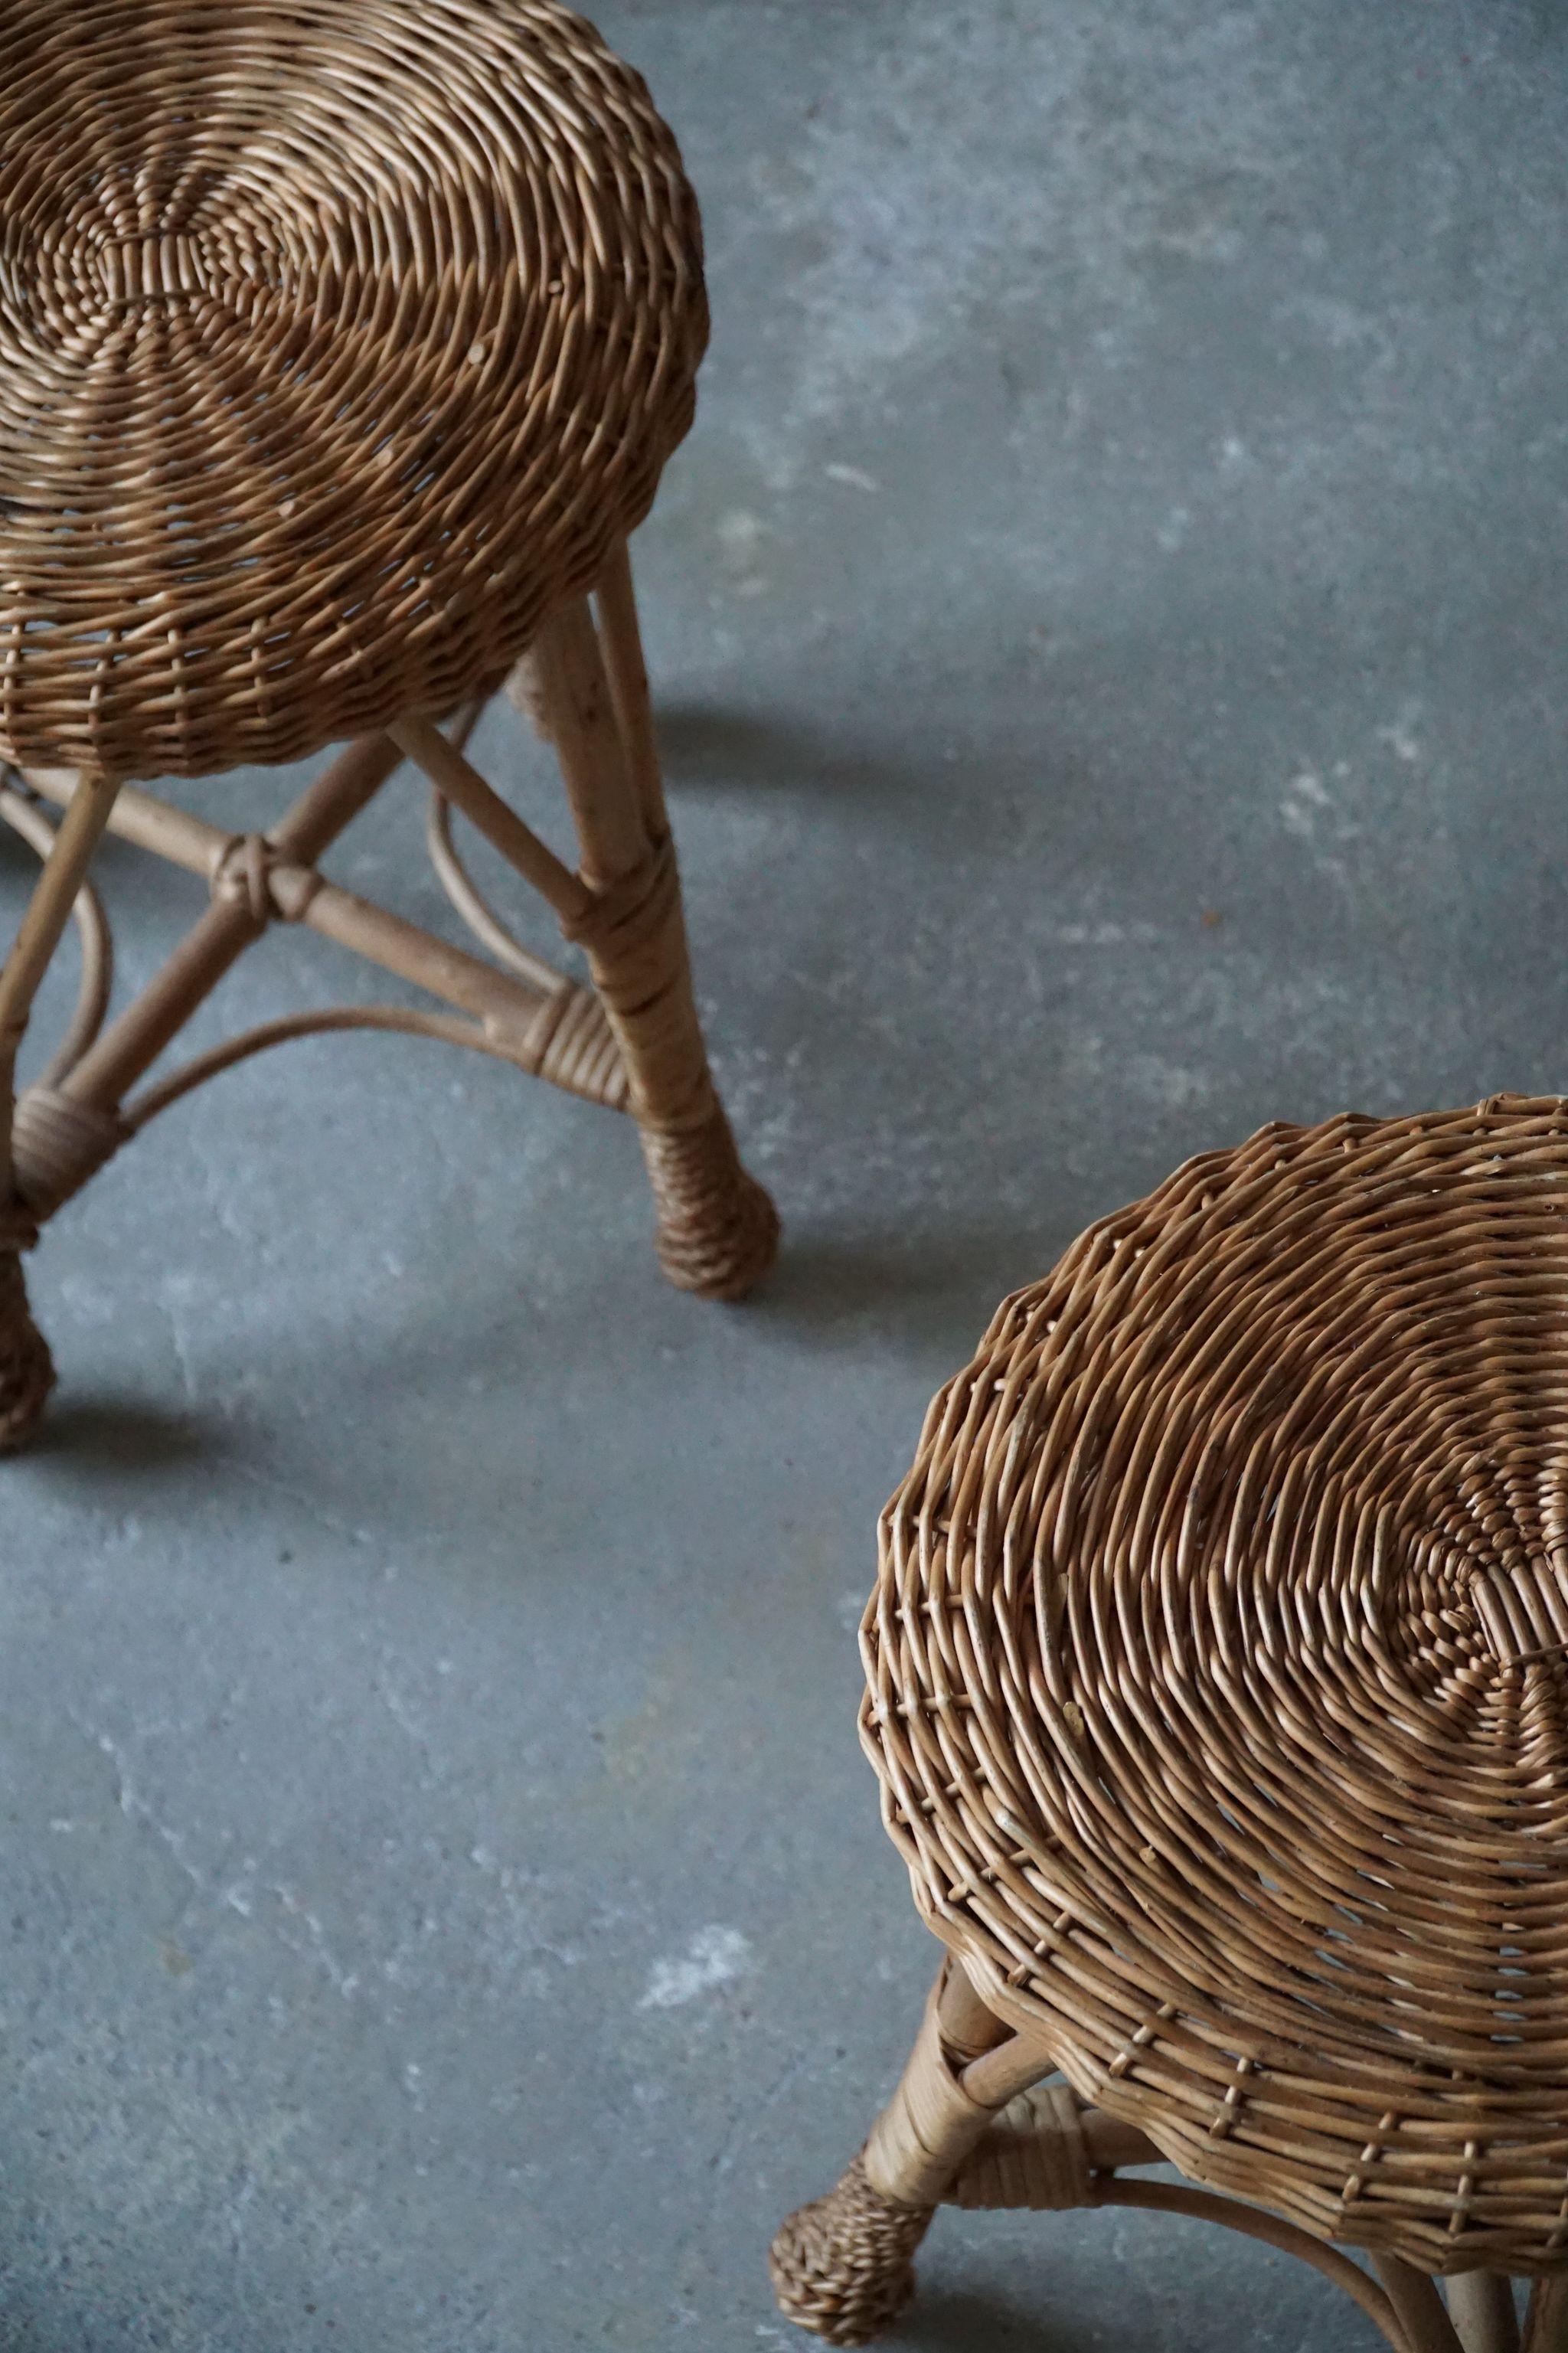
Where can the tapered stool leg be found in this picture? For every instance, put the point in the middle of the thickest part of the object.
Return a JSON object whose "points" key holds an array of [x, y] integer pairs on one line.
{"points": [[27, 1367], [1480, 2304], [1418, 2304], [717, 1230], [1546, 2321], [26, 1370], [844, 2266]]}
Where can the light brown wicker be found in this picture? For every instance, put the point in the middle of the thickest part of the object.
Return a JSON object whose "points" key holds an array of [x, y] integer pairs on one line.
{"points": [[1218, 1691], [342, 345]]}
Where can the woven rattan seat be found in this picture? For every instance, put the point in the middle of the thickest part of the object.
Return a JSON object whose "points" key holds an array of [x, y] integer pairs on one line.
{"points": [[1218, 1691], [337, 345], [341, 344]]}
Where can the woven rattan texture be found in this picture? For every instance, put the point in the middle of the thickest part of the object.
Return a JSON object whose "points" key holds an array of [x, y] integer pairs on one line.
{"points": [[337, 343], [1218, 1674]]}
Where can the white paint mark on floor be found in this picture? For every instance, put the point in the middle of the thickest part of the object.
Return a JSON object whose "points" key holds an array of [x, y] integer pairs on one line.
{"points": [[853, 476], [715, 1957], [1401, 740], [1304, 796], [740, 531], [1103, 935], [1172, 533]]}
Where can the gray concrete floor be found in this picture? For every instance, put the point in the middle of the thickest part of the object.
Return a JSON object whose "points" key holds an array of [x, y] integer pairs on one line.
{"points": [[1108, 624]]}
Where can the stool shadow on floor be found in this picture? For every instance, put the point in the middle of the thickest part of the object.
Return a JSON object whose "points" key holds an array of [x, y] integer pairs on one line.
{"points": [[978, 2320], [710, 747], [703, 743], [109, 1433], [917, 1291]]}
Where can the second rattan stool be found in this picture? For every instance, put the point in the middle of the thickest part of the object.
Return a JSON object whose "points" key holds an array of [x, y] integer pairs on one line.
{"points": [[341, 344], [1218, 1692]]}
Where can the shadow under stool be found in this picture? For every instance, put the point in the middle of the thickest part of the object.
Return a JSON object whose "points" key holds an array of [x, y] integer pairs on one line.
{"points": [[340, 351], [1218, 1689]]}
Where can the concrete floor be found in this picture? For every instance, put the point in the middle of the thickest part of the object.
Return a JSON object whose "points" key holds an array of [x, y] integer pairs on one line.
{"points": [[1108, 626]]}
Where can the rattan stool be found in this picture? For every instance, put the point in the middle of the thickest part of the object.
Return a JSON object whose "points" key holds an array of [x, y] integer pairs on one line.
{"points": [[1218, 1692], [340, 348]]}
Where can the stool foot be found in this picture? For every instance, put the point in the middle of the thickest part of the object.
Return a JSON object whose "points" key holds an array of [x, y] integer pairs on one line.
{"points": [[27, 1367], [844, 2266], [718, 1230]]}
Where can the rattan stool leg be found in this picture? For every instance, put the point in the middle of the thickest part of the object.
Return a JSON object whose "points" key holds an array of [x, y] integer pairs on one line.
{"points": [[1480, 2304], [717, 1230], [1546, 2322], [27, 1367], [844, 2266], [26, 1370], [1418, 2303]]}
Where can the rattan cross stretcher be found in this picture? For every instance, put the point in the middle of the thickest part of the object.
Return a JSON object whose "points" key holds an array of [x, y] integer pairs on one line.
{"points": [[341, 349], [1218, 1681]]}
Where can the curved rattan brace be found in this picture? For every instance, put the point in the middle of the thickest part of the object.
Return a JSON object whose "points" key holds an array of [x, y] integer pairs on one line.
{"points": [[27, 1371], [470, 902], [1205, 2206], [24, 815], [461, 890], [596, 1077], [27, 1367]]}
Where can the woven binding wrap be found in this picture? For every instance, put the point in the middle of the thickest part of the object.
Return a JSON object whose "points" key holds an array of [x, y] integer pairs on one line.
{"points": [[1031, 2154], [926, 2127], [337, 345], [718, 1230], [58, 1143], [1219, 1675]]}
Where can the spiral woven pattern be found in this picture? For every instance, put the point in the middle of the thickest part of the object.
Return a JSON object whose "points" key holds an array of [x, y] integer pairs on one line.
{"points": [[844, 2266], [337, 343], [1219, 1675]]}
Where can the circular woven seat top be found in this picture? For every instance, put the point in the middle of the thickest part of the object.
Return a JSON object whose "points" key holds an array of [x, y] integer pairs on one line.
{"points": [[1218, 1674], [338, 340]]}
